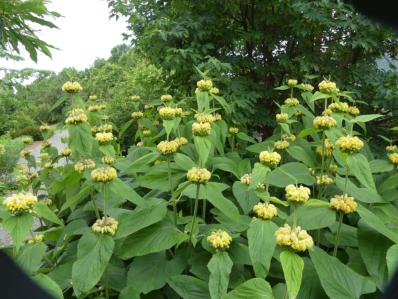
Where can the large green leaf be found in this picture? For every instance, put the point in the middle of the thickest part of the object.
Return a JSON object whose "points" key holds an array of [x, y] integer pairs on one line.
{"points": [[359, 167], [254, 288], [290, 173], [245, 197], [314, 214], [262, 242], [361, 194], [93, 254], [155, 238], [18, 227], [302, 155], [151, 272], [43, 211], [189, 287], [124, 191], [378, 165], [183, 161], [203, 147], [30, 257], [292, 266], [83, 193], [220, 266], [132, 221], [80, 138], [49, 285], [259, 175], [337, 279], [217, 199], [392, 260]]}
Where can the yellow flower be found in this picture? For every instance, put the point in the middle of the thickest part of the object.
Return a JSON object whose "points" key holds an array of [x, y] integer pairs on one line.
{"points": [[166, 98], [217, 117], [333, 168], [326, 150], [281, 144], [140, 144], [198, 175], [324, 180], [102, 128], [84, 164], [108, 160], [204, 118], [289, 137], [282, 117], [343, 203], [219, 239], [104, 174], [49, 165], [135, 98], [96, 108], [297, 194], [76, 116], [324, 122], [46, 143], [393, 158], [137, 114], [92, 97], [260, 187], [147, 133], [349, 144], [146, 106], [104, 137], [20, 203], [353, 110], [327, 86], [270, 158], [246, 179], [391, 148], [105, 226], [168, 147], [291, 102], [44, 128], [214, 90], [26, 140], [167, 113], [298, 239], [35, 239], [201, 129], [265, 210], [204, 85], [23, 168], [292, 82], [307, 87], [66, 152], [178, 112], [338, 107], [25, 153], [233, 130], [181, 141], [71, 87], [47, 201]]}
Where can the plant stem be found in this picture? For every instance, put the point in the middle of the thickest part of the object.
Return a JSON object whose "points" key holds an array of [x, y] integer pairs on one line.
{"points": [[336, 243], [171, 191], [97, 214], [294, 215], [104, 197], [204, 209], [195, 211], [106, 285]]}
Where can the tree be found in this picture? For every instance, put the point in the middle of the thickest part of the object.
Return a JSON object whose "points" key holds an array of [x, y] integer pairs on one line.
{"points": [[264, 43], [19, 23]]}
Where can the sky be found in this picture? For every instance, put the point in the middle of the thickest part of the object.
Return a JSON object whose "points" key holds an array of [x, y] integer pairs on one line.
{"points": [[85, 33]]}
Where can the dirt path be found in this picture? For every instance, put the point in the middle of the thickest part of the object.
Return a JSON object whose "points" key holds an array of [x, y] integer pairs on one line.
{"points": [[56, 141]]}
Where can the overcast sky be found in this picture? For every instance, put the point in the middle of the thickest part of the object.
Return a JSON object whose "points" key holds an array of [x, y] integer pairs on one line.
{"points": [[85, 33]]}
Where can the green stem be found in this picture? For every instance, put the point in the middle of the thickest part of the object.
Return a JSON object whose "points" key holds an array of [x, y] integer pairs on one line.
{"points": [[104, 197], [195, 211], [106, 285], [204, 210], [336, 243], [233, 143], [171, 191], [97, 214], [294, 215]]}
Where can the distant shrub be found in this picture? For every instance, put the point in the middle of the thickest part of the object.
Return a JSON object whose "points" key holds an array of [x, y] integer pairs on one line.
{"points": [[31, 130]]}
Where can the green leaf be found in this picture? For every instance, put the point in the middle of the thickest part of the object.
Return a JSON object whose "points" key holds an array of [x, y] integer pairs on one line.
{"points": [[220, 266], [360, 194], [43, 211], [226, 164], [80, 139], [129, 292], [19, 227], [49, 285], [168, 126], [392, 260], [290, 173], [337, 279], [151, 272], [203, 148], [259, 175], [30, 257], [189, 287], [314, 216], [132, 221], [245, 197], [302, 155], [366, 117], [359, 167], [183, 161], [83, 193], [203, 100], [254, 288], [260, 235], [93, 254], [124, 191], [376, 223], [155, 238], [243, 136], [217, 199], [377, 166], [292, 266]]}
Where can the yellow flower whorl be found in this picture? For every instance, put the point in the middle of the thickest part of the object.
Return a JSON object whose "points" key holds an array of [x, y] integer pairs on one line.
{"points": [[265, 211], [103, 174], [281, 144], [66, 152], [137, 115], [219, 239], [35, 239], [84, 164], [181, 141], [324, 180], [324, 122], [20, 203], [292, 82], [71, 87], [201, 129], [246, 179], [233, 130], [96, 108], [343, 203], [281, 117], [326, 150], [105, 226], [391, 148], [168, 147], [204, 118], [349, 144], [109, 160], [393, 158], [298, 239], [135, 98], [92, 97], [327, 86], [44, 128], [214, 90], [198, 175], [76, 116], [292, 102], [166, 98], [270, 158], [104, 137], [167, 113], [204, 85], [297, 194]]}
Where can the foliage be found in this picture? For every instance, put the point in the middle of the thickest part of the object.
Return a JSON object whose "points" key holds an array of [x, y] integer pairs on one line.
{"points": [[256, 45], [161, 226]]}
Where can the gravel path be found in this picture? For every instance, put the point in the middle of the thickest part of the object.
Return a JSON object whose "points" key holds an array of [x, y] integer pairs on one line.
{"points": [[5, 238]]}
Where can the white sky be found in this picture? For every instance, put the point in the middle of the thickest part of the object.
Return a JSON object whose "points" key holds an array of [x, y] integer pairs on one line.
{"points": [[85, 33]]}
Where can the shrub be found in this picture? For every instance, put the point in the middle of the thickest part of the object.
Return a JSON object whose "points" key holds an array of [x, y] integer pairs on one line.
{"points": [[31, 130], [307, 213]]}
